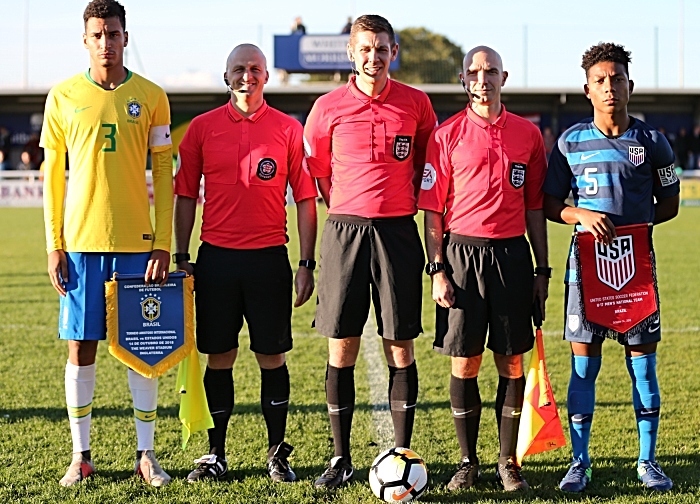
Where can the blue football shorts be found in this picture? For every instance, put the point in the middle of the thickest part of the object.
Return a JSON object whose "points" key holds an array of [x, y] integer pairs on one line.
{"points": [[83, 311]]}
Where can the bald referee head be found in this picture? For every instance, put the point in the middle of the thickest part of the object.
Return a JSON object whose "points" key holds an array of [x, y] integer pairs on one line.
{"points": [[246, 75], [483, 76]]}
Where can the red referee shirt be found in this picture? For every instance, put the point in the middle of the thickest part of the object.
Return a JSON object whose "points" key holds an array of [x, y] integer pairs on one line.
{"points": [[370, 147], [484, 176], [246, 163]]}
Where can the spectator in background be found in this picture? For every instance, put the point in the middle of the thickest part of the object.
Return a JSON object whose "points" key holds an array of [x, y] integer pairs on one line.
{"points": [[26, 162], [549, 140], [4, 165], [694, 149], [298, 27], [682, 148], [4, 141], [347, 27], [36, 153]]}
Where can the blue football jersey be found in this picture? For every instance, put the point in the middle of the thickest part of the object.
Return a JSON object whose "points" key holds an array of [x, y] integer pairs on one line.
{"points": [[618, 176]]}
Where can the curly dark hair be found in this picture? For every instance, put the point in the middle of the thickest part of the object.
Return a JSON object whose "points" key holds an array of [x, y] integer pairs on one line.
{"points": [[606, 51], [104, 9], [374, 24]]}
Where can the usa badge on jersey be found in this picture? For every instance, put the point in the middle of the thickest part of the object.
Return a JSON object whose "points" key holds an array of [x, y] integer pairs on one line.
{"points": [[517, 174], [636, 155], [402, 147]]}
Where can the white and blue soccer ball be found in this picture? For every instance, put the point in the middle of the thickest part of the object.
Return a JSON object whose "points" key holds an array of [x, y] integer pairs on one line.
{"points": [[398, 475]]}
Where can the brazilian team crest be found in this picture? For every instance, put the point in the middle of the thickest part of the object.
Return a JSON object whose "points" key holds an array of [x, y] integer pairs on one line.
{"points": [[150, 308], [133, 108], [402, 147], [636, 155], [517, 174], [267, 169]]}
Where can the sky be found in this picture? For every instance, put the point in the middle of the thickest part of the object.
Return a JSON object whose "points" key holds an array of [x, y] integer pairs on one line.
{"points": [[184, 43]]}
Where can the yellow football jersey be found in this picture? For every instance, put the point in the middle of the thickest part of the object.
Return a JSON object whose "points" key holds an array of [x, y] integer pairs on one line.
{"points": [[107, 135]]}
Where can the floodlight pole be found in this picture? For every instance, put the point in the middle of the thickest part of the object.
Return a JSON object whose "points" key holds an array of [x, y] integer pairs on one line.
{"points": [[681, 45], [25, 48]]}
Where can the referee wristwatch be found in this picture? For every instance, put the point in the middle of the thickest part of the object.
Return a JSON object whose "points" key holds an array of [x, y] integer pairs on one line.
{"points": [[433, 267], [543, 270], [308, 263], [180, 257]]}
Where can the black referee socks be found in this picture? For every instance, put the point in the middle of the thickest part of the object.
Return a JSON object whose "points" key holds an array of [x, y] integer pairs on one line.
{"points": [[403, 394], [509, 404], [340, 395], [466, 412], [218, 385], [274, 400]]}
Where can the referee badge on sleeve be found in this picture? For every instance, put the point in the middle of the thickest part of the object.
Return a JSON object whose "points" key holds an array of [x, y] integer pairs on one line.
{"points": [[517, 174], [402, 147]]}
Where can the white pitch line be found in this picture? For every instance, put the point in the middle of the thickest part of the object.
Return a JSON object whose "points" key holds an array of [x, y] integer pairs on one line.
{"points": [[378, 385]]}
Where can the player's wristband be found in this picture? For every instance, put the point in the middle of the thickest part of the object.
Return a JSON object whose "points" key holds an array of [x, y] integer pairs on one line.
{"points": [[433, 267], [178, 258], [543, 270], [308, 263]]}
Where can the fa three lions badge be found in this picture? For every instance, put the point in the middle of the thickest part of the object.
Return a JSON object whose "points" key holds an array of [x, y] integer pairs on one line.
{"points": [[150, 327]]}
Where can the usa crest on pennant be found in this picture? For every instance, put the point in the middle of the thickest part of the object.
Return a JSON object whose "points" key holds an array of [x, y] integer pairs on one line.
{"points": [[615, 263]]}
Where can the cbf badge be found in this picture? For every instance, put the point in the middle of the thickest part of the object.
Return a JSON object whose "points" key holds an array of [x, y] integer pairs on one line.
{"points": [[150, 328], [133, 108], [402, 147], [517, 174], [267, 168]]}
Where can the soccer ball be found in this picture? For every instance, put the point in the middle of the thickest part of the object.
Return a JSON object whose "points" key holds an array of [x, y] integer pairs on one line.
{"points": [[398, 475]]}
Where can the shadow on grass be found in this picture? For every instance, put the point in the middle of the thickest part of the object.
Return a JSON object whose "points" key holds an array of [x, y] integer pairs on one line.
{"points": [[612, 477]]}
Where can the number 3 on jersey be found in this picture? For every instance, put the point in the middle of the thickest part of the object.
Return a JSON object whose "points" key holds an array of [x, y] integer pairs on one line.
{"points": [[592, 187], [111, 145]]}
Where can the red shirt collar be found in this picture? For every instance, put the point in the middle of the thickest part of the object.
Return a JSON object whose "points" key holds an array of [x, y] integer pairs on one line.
{"points": [[236, 116], [352, 86], [483, 123]]}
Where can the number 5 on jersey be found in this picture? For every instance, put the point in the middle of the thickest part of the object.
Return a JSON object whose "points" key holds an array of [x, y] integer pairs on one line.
{"points": [[592, 188], [111, 145]]}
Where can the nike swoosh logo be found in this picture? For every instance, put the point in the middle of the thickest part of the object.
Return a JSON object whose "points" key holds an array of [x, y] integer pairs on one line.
{"points": [[79, 110], [333, 410], [167, 135], [584, 157], [655, 327], [398, 497], [516, 413], [275, 403], [457, 413], [217, 133], [149, 416], [406, 406], [216, 412]]}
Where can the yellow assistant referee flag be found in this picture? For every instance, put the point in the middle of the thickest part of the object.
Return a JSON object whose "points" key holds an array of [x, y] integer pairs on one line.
{"points": [[194, 410], [540, 426]]}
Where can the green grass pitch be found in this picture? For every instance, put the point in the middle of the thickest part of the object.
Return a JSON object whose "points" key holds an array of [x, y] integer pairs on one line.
{"points": [[35, 439]]}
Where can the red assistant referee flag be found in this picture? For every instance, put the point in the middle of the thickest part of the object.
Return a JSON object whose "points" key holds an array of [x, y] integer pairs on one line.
{"points": [[540, 426]]}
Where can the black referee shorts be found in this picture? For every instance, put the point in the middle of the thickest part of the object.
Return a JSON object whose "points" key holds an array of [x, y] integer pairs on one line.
{"points": [[363, 259], [493, 282], [231, 284]]}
